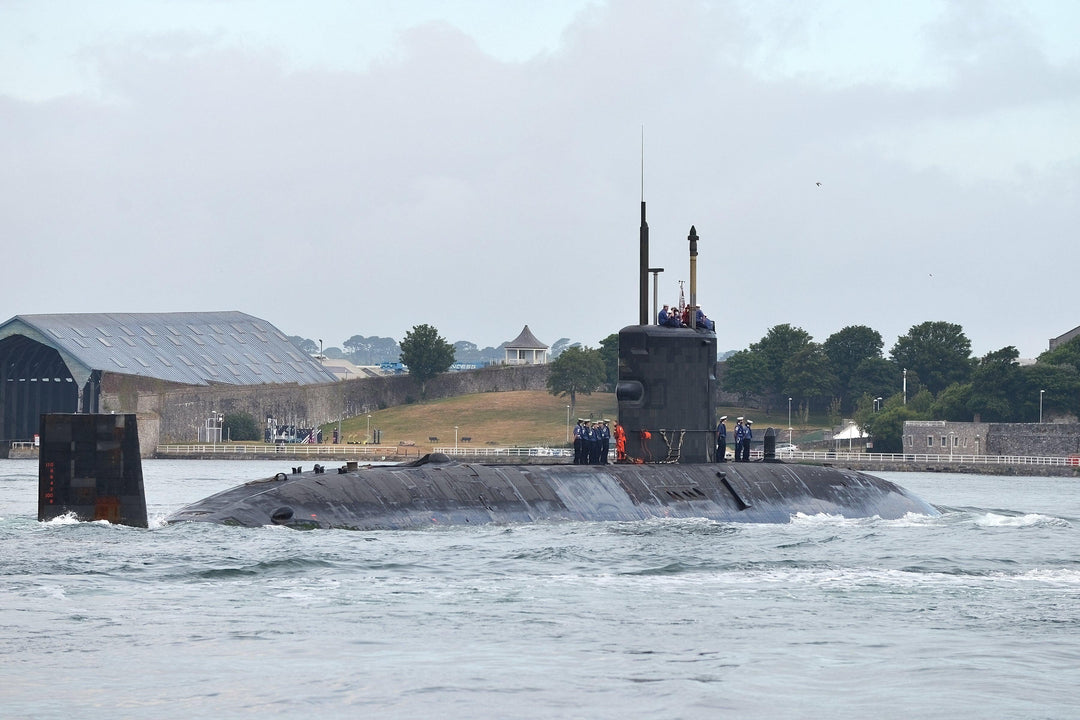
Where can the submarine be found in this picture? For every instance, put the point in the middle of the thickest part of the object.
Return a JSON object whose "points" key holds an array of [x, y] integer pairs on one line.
{"points": [[666, 405]]}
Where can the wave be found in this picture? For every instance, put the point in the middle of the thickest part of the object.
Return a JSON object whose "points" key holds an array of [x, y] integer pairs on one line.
{"points": [[992, 519]]}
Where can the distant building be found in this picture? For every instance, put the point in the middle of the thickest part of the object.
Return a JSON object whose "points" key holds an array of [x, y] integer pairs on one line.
{"points": [[345, 370], [941, 437], [1062, 339], [525, 349], [69, 362]]}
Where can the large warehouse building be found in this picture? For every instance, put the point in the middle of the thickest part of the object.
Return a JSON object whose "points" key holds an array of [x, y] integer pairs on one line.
{"points": [[73, 362]]}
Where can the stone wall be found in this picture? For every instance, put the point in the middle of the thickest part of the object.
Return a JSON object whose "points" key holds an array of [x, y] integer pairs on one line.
{"points": [[1021, 439], [1040, 439], [171, 413]]}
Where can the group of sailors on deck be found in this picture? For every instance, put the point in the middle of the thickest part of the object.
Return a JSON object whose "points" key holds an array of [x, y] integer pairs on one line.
{"points": [[743, 435], [591, 442]]}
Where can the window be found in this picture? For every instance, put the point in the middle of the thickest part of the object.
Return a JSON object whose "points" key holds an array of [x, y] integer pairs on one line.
{"points": [[956, 441], [943, 444], [929, 441]]}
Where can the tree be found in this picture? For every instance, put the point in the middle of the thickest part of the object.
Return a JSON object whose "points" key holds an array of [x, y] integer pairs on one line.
{"points": [[576, 370], [306, 346], [846, 350], [876, 377], [938, 351], [996, 384], [886, 426], [426, 353], [808, 375], [745, 373], [240, 426], [779, 344], [558, 346], [609, 354], [1064, 354], [1062, 386], [953, 403], [371, 350]]}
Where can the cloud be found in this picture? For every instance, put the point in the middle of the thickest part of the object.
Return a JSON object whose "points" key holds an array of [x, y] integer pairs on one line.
{"points": [[442, 185]]}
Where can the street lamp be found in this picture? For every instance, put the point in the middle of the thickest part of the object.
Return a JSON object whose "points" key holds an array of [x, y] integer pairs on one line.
{"points": [[1040, 405], [789, 421], [455, 438], [367, 436], [877, 404]]}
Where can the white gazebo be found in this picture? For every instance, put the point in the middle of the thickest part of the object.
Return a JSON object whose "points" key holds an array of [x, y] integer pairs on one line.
{"points": [[850, 432], [525, 349]]}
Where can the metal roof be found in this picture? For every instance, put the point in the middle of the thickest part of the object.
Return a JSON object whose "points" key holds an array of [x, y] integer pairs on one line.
{"points": [[198, 348], [526, 340]]}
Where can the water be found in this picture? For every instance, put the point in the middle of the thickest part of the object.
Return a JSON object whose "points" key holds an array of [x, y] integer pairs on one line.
{"points": [[973, 614]]}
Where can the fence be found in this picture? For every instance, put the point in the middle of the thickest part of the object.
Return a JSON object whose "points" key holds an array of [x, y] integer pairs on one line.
{"points": [[404, 452], [920, 458], [506, 451], [291, 450]]}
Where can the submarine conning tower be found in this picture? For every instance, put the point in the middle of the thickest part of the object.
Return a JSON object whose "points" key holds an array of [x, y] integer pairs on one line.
{"points": [[667, 381]]}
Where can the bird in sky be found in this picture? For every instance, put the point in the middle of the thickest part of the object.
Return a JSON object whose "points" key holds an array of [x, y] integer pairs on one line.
{"points": [[819, 184]]}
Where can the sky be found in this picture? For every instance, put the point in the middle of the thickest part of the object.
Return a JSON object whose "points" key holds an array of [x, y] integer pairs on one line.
{"points": [[344, 168]]}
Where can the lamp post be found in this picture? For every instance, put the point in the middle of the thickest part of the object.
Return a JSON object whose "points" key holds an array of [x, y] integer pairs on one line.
{"points": [[567, 423], [877, 403], [789, 421], [367, 436], [950, 445], [455, 438], [1040, 405]]}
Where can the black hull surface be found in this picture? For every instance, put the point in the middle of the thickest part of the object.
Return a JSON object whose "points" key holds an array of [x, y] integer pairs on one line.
{"points": [[436, 491]]}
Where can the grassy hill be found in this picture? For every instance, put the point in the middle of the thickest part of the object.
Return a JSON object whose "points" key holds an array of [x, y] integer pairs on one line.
{"points": [[520, 419]]}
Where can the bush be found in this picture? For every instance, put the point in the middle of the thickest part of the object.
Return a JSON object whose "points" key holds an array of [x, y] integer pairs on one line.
{"points": [[240, 427]]}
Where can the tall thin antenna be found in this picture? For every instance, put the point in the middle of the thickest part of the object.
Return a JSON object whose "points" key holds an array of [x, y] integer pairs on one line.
{"points": [[643, 273], [642, 163]]}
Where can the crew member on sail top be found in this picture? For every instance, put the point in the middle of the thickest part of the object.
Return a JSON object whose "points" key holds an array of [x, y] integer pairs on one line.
{"points": [[662, 316]]}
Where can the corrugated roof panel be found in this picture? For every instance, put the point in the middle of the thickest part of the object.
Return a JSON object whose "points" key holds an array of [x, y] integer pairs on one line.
{"points": [[143, 330]]}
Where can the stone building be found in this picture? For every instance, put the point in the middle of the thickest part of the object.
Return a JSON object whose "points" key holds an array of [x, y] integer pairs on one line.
{"points": [[1062, 339], [940, 437]]}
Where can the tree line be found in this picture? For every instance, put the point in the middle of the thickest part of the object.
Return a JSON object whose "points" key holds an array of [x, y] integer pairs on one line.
{"points": [[375, 350], [929, 374], [849, 374]]}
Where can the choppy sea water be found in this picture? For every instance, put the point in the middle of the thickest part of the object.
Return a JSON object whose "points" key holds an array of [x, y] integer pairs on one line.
{"points": [[972, 614]]}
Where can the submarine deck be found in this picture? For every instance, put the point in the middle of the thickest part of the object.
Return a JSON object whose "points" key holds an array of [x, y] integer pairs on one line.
{"points": [[438, 491]]}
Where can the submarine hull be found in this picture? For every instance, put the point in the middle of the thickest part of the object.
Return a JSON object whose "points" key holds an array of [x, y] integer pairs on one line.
{"points": [[442, 492]]}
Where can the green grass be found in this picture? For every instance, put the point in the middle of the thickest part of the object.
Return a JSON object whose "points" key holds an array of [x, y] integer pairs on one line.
{"points": [[520, 419]]}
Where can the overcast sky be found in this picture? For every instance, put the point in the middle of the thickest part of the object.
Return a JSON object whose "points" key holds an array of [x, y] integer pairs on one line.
{"points": [[342, 168]]}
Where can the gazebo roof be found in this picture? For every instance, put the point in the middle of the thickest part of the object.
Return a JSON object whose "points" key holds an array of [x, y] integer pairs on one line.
{"points": [[526, 340]]}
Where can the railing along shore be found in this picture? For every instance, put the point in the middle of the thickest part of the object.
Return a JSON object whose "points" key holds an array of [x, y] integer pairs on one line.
{"points": [[238, 450], [409, 452]]}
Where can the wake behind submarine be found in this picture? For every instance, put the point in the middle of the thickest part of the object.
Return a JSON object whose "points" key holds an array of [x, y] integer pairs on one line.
{"points": [[666, 395]]}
